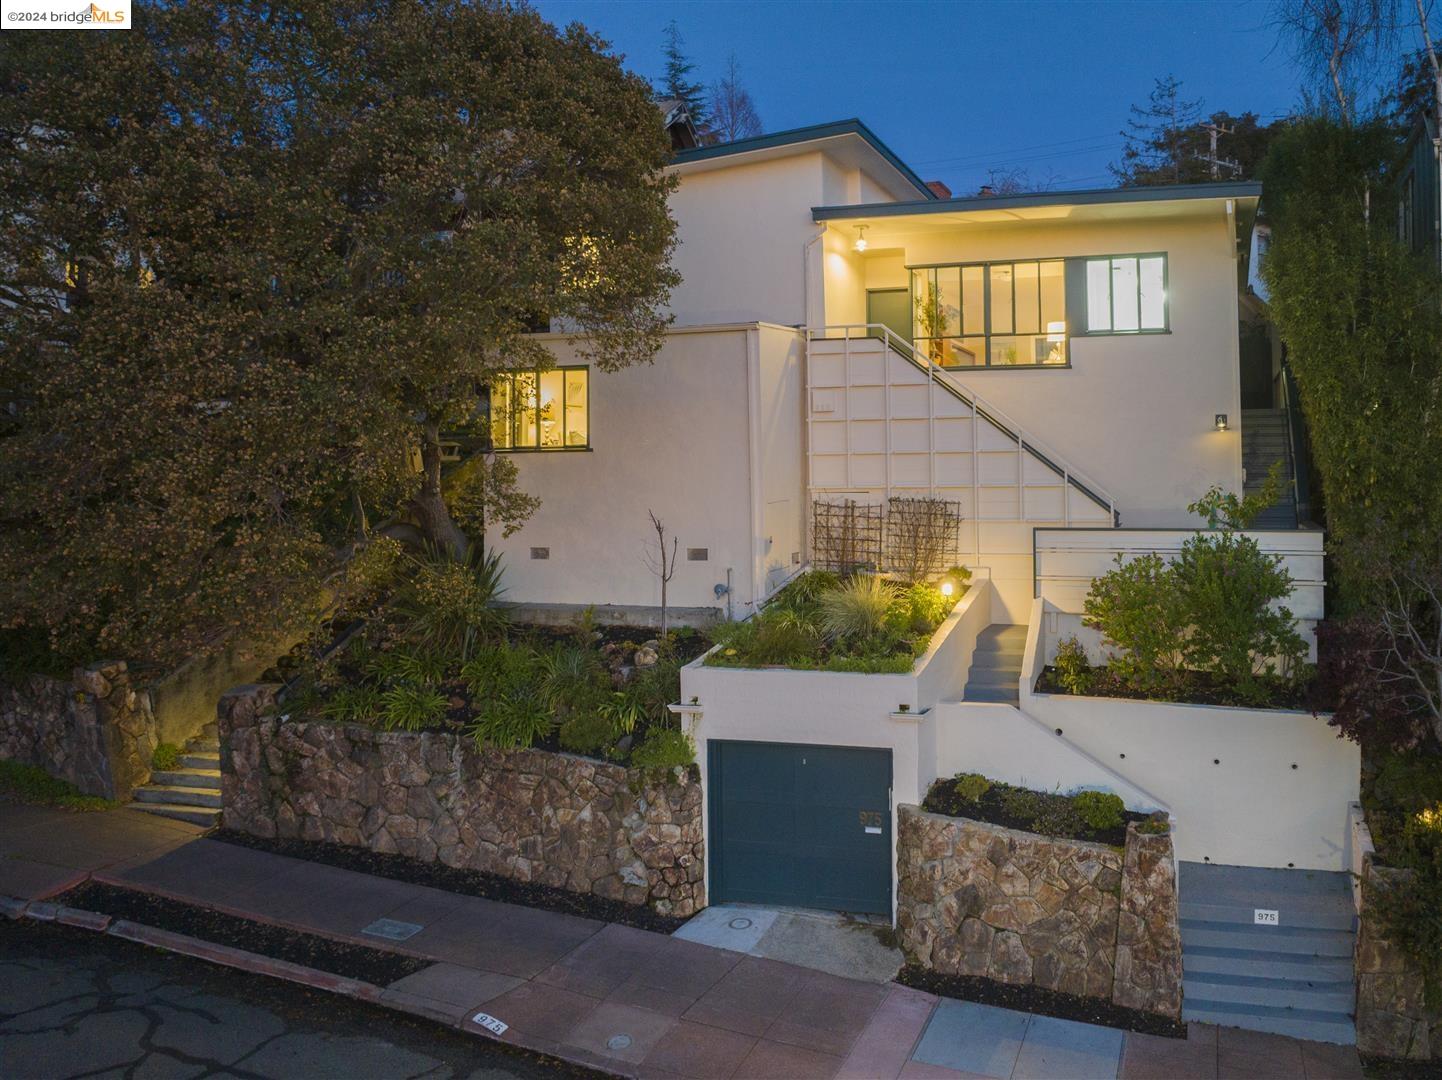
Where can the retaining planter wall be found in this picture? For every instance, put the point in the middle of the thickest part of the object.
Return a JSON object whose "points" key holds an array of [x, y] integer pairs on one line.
{"points": [[94, 730], [1392, 1018], [982, 900], [531, 815]]}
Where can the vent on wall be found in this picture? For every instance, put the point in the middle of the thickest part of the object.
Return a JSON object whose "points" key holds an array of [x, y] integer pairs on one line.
{"points": [[697, 554], [540, 553]]}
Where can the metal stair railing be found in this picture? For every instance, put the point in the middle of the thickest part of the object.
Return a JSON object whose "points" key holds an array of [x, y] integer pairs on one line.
{"points": [[944, 378]]}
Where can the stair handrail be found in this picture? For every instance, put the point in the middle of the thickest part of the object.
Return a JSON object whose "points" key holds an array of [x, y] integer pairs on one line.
{"points": [[998, 419]]}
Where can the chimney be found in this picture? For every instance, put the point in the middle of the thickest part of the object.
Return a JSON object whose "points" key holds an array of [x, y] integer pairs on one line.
{"points": [[986, 192], [940, 190]]}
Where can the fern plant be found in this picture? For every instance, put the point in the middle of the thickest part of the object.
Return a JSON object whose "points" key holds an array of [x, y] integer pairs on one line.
{"points": [[512, 722]]}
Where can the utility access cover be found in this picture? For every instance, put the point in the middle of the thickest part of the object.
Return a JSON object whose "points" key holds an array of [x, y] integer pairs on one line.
{"points": [[393, 929]]}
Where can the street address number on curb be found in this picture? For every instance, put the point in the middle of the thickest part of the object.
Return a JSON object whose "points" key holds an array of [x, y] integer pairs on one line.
{"points": [[1265, 917], [490, 1023]]}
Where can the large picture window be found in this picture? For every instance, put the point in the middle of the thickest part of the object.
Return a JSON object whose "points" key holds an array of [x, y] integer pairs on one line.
{"points": [[1002, 314], [1126, 294], [541, 410]]}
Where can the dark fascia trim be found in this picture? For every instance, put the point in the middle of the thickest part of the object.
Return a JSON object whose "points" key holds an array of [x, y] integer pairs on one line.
{"points": [[803, 135], [1240, 189]]}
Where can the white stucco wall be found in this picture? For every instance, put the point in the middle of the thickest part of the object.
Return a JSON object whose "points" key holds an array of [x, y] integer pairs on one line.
{"points": [[1135, 412], [682, 437]]}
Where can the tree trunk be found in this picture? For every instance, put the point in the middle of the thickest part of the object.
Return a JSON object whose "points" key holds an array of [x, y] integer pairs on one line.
{"points": [[428, 504]]}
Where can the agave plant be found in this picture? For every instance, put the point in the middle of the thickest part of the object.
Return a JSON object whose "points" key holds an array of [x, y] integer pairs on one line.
{"points": [[856, 609]]}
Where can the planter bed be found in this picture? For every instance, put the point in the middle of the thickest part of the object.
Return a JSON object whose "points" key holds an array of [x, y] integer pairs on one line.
{"points": [[1036, 999], [458, 880], [992, 807], [376, 966], [1198, 688]]}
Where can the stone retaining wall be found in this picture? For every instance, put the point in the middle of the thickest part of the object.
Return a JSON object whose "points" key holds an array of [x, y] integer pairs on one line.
{"points": [[531, 815], [982, 900], [1393, 1019], [94, 730]]}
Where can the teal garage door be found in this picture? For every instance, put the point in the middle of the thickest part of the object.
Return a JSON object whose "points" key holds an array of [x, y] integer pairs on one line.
{"points": [[800, 826]]}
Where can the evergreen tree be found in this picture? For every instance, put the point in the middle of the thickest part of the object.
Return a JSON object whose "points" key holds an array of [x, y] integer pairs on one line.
{"points": [[1156, 135], [676, 82]]}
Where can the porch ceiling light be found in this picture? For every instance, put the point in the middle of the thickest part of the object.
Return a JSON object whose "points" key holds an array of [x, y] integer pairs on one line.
{"points": [[860, 244], [1221, 421]]}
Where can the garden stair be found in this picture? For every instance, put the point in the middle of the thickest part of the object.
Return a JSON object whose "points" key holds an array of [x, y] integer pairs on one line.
{"points": [[995, 674], [1266, 441], [1294, 978], [189, 792]]}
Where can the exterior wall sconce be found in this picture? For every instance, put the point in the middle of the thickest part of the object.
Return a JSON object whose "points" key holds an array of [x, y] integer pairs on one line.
{"points": [[860, 244], [1221, 421]]}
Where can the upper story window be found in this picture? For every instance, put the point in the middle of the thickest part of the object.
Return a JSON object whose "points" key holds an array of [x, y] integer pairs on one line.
{"points": [[541, 410], [1126, 294], [1000, 314]]}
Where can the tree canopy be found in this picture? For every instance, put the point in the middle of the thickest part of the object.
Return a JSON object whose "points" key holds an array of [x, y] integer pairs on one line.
{"points": [[1169, 141], [677, 78], [257, 257]]}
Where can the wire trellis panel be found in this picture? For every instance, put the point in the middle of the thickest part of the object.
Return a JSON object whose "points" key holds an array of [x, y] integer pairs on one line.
{"points": [[846, 536]]}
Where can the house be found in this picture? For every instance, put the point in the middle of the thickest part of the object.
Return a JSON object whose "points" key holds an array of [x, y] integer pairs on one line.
{"points": [[842, 332]]}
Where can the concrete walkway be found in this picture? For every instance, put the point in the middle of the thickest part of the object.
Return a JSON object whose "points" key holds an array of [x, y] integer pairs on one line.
{"points": [[645, 1004]]}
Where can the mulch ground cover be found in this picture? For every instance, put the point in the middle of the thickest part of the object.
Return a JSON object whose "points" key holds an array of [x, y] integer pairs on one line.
{"points": [[375, 966], [1197, 688], [1036, 999], [458, 880]]}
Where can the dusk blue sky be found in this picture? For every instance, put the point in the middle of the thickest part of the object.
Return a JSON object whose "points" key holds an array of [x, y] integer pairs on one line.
{"points": [[957, 88]]}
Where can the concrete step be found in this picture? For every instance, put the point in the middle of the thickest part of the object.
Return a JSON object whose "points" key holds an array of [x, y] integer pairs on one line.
{"points": [[187, 777], [1004, 677], [175, 795], [1001, 634], [196, 815], [1295, 915], [998, 694], [1318, 899], [998, 657], [1298, 1023], [202, 760], [1336, 996], [1207, 960], [1298, 940], [203, 745]]}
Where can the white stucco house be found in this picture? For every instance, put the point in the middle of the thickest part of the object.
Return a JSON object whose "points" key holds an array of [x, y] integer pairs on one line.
{"points": [[1072, 369], [1080, 367]]}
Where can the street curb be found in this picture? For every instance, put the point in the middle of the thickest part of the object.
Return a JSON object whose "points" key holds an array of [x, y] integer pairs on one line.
{"points": [[245, 961], [12, 907]]}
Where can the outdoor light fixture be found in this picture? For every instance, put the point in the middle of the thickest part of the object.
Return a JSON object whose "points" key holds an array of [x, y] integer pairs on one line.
{"points": [[1221, 421], [860, 244], [947, 588]]}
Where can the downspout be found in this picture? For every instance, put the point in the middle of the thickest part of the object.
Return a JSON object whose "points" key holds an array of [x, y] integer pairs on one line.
{"points": [[753, 446], [806, 317]]}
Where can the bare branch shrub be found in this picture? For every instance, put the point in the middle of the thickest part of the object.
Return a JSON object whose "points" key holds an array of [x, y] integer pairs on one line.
{"points": [[923, 536]]}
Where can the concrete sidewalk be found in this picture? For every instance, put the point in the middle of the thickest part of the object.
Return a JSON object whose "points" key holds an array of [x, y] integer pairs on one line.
{"points": [[638, 1003]]}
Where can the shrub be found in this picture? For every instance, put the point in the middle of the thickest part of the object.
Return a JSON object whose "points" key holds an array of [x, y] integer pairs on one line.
{"points": [[1226, 586], [1226, 510], [972, 786], [373, 569], [856, 610], [1073, 669], [587, 733], [166, 756], [412, 667], [918, 609], [32, 784], [1020, 803], [447, 605], [1099, 809], [412, 708], [664, 748], [1137, 608], [1409, 906], [511, 721], [354, 703]]}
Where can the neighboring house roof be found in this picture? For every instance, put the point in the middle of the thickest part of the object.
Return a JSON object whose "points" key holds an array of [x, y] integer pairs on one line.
{"points": [[779, 142], [676, 119], [1232, 189]]}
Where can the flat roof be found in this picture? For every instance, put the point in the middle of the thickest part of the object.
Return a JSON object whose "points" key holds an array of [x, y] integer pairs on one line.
{"points": [[813, 133], [1230, 189]]}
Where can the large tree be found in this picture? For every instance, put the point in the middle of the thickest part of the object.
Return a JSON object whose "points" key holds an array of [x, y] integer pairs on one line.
{"points": [[677, 78], [1169, 141], [256, 258], [733, 112]]}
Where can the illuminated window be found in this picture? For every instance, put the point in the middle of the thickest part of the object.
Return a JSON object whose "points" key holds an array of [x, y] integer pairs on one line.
{"points": [[1005, 314], [1126, 294], [541, 410]]}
